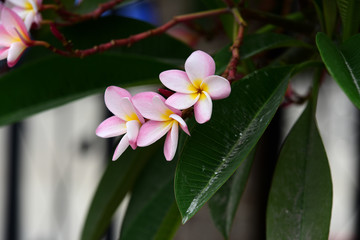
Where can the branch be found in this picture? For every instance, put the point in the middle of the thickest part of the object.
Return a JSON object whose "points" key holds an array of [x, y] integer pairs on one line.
{"points": [[135, 38], [230, 72]]}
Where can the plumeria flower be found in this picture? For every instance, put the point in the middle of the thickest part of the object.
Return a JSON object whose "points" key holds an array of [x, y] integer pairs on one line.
{"points": [[162, 119], [196, 86], [126, 120], [28, 10], [14, 37]]}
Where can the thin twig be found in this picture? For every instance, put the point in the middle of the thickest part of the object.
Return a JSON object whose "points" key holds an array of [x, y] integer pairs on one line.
{"points": [[137, 37], [230, 72]]}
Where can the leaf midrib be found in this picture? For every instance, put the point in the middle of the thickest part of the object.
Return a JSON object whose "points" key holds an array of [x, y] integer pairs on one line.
{"points": [[232, 149]]}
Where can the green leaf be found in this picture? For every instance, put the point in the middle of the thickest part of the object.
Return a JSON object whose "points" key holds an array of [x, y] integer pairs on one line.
{"points": [[300, 199], [216, 149], [115, 27], [94, 32], [152, 212], [330, 13], [256, 43], [55, 80], [350, 17], [343, 64], [116, 181], [225, 201]]}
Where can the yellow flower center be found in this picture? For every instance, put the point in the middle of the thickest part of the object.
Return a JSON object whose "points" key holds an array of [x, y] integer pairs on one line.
{"points": [[198, 86], [131, 117]]}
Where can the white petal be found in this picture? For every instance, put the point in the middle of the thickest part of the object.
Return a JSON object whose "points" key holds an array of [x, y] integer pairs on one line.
{"points": [[217, 87], [177, 81], [181, 122], [203, 108], [182, 100], [171, 142], [13, 23], [132, 132], [15, 51], [118, 102], [199, 65], [111, 127], [144, 103], [152, 131], [121, 147]]}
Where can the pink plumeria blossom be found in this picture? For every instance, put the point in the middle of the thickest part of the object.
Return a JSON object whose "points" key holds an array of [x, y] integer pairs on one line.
{"points": [[28, 11], [14, 37], [196, 86], [162, 119], [126, 120]]}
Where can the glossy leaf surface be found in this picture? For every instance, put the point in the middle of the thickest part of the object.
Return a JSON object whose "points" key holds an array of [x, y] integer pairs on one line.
{"points": [[116, 181], [300, 198], [152, 212], [226, 200], [343, 64], [217, 148], [55, 80]]}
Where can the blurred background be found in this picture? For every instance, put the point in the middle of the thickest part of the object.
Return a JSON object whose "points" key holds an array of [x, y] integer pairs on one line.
{"points": [[51, 163]]}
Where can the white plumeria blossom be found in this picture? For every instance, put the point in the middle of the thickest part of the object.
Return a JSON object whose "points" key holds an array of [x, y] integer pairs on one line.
{"points": [[162, 119], [28, 10], [14, 37], [126, 120], [196, 86]]}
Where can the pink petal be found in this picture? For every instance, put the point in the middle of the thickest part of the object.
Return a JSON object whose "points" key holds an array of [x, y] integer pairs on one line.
{"points": [[181, 122], [15, 51], [118, 102], [199, 65], [152, 131], [182, 100], [203, 108], [116, 93], [5, 38], [171, 142], [29, 19], [217, 87], [121, 147], [111, 127], [132, 132], [19, 3], [12, 21], [4, 53], [151, 106], [177, 81]]}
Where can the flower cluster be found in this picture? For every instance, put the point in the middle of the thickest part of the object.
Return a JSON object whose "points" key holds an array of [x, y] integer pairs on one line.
{"points": [[16, 19], [146, 117]]}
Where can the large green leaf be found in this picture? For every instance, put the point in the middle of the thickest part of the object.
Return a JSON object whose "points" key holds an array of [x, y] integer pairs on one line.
{"points": [[330, 12], [116, 181], [350, 17], [225, 201], [216, 149], [152, 212], [343, 64], [300, 199], [115, 27], [56, 80], [256, 43]]}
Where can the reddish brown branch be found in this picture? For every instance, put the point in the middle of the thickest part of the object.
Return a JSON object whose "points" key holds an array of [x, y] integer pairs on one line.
{"points": [[230, 72], [72, 18], [140, 36]]}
